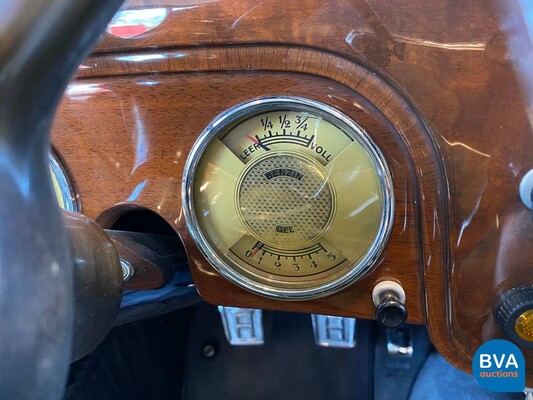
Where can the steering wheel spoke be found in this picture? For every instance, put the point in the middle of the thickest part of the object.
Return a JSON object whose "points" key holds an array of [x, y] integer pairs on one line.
{"points": [[41, 45]]}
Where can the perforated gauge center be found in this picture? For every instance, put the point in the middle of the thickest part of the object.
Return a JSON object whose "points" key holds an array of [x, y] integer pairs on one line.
{"points": [[285, 200]]}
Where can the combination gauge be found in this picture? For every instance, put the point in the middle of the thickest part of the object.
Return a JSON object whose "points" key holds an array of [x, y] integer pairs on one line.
{"points": [[288, 198]]}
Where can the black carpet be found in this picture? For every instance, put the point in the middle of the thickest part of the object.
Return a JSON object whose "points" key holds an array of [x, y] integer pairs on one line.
{"points": [[163, 358], [288, 366]]}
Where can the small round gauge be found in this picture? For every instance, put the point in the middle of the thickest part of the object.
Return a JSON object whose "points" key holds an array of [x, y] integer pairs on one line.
{"points": [[288, 198], [62, 188]]}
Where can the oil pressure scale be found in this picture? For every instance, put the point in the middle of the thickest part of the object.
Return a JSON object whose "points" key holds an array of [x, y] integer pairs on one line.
{"points": [[288, 198]]}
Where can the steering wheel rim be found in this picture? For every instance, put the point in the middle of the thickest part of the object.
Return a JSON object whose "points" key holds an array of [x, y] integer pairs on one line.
{"points": [[41, 45]]}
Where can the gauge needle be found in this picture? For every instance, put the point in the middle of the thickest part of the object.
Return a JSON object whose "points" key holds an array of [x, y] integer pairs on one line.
{"points": [[257, 247], [257, 141]]}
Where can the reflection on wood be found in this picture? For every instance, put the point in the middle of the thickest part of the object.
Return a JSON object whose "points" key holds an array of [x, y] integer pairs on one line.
{"points": [[126, 139]]}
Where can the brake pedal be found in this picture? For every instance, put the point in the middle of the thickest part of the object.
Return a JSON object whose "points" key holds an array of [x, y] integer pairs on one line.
{"points": [[242, 326]]}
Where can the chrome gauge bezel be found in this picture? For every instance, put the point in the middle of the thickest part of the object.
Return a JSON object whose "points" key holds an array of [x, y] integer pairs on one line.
{"points": [[67, 192], [226, 121]]}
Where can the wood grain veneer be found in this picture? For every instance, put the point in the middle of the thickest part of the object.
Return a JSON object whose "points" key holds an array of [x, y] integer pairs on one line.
{"points": [[432, 83]]}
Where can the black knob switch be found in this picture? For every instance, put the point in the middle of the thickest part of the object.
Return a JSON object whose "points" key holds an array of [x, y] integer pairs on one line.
{"points": [[389, 299], [391, 313], [514, 314]]}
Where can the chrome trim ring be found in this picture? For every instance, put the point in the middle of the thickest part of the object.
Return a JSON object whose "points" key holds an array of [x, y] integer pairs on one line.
{"points": [[67, 193], [526, 189], [344, 123]]}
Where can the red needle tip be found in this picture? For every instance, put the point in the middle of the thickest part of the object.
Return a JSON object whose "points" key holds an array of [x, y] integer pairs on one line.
{"points": [[257, 247], [252, 139]]}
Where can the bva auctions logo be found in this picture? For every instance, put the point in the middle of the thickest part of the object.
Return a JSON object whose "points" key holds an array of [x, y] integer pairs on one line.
{"points": [[499, 366]]}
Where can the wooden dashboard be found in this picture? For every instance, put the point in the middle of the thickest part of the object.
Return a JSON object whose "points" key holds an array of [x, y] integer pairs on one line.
{"points": [[433, 84]]}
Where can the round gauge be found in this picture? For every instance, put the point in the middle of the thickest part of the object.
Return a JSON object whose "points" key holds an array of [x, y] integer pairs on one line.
{"points": [[288, 198], [62, 188]]}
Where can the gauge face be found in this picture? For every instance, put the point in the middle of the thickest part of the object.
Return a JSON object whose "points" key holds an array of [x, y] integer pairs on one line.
{"points": [[62, 189], [288, 198]]}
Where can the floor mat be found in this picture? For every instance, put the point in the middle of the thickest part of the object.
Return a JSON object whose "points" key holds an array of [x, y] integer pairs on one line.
{"points": [[140, 361], [288, 366], [439, 380]]}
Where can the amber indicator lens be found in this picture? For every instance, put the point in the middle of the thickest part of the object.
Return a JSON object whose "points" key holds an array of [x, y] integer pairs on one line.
{"points": [[288, 198], [524, 325]]}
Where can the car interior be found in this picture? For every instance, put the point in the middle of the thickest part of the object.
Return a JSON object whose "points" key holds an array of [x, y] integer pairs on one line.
{"points": [[264, 199]]}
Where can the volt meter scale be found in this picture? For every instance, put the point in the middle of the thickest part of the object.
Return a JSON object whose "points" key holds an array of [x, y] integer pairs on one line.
{"points": [[288, 198]]}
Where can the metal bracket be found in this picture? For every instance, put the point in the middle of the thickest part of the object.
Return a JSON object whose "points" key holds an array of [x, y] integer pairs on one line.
{"points": [[400, 342], [330, 331], [242, 326]]}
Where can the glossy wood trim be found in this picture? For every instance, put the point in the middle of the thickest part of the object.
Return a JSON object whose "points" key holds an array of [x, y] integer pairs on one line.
{"points": [[374, 89], [449, 68]]}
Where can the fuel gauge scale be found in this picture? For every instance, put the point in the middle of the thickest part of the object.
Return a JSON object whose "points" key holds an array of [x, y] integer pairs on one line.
{"points": [[288, 198]]}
